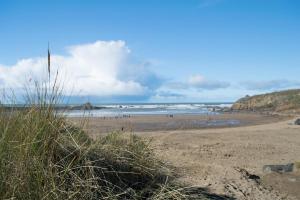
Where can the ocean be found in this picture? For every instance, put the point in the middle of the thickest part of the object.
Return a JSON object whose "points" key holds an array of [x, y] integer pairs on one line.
{"points": [[112, 110]]}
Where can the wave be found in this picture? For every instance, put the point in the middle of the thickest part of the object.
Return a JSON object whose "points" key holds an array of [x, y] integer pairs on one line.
{"points": [[152, 109], [165, 106]]}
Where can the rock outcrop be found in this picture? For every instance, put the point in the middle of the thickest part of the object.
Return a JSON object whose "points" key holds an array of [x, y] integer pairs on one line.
{"points": [[86, 106], [284, 101]]}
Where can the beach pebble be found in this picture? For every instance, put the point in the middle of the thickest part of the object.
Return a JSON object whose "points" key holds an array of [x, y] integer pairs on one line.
{"points": [[297, 122], [278, 168]]}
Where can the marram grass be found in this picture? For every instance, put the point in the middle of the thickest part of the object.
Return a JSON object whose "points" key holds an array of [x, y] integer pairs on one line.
{"points": [[44, 157]]}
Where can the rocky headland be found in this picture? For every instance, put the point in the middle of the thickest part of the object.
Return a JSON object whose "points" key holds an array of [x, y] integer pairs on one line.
{"points": [[287, 101]]}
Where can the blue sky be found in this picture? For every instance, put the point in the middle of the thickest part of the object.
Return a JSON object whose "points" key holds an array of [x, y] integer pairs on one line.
{"points": [[154, 51]]}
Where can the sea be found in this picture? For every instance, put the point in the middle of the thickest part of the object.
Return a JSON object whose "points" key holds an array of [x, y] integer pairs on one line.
{"points": [[128, 109]]}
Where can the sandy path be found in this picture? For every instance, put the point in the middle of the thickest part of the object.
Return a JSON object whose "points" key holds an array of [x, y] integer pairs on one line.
{"points": [[216, 158]]}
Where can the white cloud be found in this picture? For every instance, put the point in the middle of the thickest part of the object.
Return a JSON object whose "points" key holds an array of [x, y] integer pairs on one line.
{"points": [[102, 68], [270, 85], [196, 79], [197, 82], [200, 82], [193, 88]]}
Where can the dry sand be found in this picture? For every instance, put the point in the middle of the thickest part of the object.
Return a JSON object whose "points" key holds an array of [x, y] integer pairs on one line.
{"points": [[222, 159], [216, 158]]}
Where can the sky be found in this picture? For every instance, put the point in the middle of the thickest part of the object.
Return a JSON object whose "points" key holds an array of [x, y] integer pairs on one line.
{"points": [[152, 50]]}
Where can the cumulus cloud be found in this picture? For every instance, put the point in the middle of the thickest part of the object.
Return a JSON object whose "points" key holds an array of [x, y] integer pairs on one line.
{"points": [[270, 85], [102, 68]]}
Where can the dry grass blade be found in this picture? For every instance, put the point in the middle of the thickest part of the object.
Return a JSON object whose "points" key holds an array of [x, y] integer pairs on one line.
{"points": [[44, 157]]}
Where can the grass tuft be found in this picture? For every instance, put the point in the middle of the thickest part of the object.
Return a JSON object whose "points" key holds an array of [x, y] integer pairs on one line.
{"points": [[44, 157]]}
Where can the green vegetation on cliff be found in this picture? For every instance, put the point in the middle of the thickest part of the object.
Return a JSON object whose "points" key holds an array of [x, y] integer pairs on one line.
{"points": [[283, 101]]}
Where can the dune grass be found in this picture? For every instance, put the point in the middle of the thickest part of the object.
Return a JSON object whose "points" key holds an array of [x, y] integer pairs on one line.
{"points": [[44, 157]]}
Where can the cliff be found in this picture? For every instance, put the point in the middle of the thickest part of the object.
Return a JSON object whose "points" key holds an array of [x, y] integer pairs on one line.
{"points": [[283, 101]]}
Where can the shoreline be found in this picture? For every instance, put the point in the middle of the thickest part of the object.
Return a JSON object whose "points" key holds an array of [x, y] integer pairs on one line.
{"points": [[146, 123]]}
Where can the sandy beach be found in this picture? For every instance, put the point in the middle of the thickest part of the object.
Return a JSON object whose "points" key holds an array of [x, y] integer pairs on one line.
{"points": [[144, 123], [221, 158], [216, 158]]}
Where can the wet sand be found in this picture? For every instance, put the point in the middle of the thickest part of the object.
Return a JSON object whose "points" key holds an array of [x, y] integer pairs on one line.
{"points": [[97, 125]]}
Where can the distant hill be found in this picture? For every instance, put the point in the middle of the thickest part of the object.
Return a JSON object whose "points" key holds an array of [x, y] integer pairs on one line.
{"points": [[287, 101]]}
